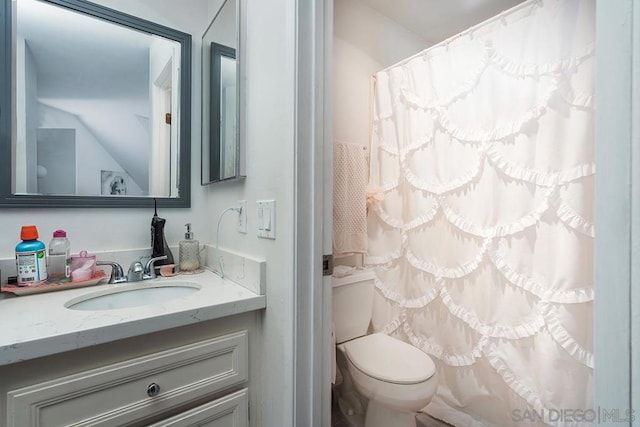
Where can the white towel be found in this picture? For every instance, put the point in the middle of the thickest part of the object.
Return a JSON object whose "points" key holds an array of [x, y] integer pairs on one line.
{"points": [[343, 270], [350, 172]]}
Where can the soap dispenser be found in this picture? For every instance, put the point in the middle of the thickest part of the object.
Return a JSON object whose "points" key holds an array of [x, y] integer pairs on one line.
{"points": [[159, 245], [189, 252]]}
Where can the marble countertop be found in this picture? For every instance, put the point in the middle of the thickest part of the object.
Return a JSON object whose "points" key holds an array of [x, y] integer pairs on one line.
{"points": [[40, 325]]}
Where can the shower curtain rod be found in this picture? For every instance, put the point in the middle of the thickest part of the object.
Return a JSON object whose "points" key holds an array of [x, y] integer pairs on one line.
{"points": [[448, 40]]}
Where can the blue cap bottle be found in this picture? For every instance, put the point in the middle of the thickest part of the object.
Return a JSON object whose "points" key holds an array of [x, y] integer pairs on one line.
{"points": [[31, 261]]}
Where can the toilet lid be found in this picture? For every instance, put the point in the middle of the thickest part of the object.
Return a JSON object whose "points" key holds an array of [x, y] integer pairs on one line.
{"points": [[388, 359]]}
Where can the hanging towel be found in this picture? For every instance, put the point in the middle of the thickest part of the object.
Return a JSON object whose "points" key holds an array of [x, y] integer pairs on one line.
{"points": [[349, 198]]}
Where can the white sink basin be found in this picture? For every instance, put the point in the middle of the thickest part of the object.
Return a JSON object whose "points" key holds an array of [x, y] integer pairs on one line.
{"points": [[132, 295]]}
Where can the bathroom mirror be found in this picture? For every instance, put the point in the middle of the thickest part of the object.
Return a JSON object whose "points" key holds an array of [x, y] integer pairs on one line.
{"points": [[222, 146], [95, 107]]}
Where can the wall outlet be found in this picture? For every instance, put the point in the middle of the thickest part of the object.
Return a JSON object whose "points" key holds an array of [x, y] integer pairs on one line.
{"points": [[242, 217]]}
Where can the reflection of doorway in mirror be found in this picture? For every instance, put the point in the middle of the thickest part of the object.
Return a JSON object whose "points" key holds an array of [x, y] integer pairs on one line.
{"points": [[56, 161], [223, 113], [228, 131], [164, 112]]}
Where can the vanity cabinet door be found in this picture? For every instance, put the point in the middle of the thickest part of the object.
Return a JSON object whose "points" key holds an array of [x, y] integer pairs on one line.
{"points": [[137, 389], [228, 411]]}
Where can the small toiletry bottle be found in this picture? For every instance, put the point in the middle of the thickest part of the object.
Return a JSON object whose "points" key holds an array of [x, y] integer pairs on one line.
{"points": [[59, 265], [31, 261], [189, 252]]}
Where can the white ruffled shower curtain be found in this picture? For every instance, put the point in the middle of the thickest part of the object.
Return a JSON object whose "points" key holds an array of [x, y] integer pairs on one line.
{"points": [[483, 242]]}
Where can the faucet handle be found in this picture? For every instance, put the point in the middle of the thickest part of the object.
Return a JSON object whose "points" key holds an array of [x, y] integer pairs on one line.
{"points": [[117, 275], [136, 272], [149, 269]]}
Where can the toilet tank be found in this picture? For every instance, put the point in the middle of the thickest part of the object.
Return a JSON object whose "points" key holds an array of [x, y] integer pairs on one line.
{"points": [[352, 304]]}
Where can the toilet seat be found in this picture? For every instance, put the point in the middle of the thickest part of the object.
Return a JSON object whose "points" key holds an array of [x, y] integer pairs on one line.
{"points": [[390, 360]]}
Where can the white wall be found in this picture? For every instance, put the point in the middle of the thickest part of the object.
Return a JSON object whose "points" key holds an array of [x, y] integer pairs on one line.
{"points": [[365, 42], [268, 63]]}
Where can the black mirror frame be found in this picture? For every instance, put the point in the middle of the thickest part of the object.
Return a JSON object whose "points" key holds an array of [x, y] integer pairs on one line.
{"points": [[7, 199], [217, 52]]}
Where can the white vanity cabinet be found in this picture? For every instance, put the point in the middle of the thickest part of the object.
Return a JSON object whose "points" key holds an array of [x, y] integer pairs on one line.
{"points": [[187, 382]]}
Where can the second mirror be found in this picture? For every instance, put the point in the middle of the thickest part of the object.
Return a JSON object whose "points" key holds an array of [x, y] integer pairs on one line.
{"points": [[221, 151]]}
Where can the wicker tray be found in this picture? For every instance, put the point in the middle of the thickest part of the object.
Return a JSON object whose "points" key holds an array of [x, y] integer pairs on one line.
{"points": [[53, 286]]}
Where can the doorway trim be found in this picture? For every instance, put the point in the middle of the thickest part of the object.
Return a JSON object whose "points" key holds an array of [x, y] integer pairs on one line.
{"points": [[313, 207], [617, 202]]}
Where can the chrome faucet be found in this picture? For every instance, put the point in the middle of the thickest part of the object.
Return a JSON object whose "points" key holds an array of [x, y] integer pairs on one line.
{"points": [[117, 275], [136, 271], [150, 267]]}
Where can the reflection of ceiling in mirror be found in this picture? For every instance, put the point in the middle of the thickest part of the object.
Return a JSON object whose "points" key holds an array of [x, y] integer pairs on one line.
{"points": [[97, 71], [90, 66]]}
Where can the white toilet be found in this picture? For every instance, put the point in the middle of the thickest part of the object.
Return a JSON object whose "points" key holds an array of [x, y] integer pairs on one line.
{"points": [[397, 378]]}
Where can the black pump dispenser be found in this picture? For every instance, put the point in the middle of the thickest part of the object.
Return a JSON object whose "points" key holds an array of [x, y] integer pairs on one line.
{"points": [[159, 245]]}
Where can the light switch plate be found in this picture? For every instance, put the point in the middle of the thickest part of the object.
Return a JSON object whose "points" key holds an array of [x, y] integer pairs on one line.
{"points": [[266, 218]]}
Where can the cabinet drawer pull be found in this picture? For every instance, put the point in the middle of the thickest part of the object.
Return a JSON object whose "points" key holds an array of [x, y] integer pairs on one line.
{"points": [[153, 390]]}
